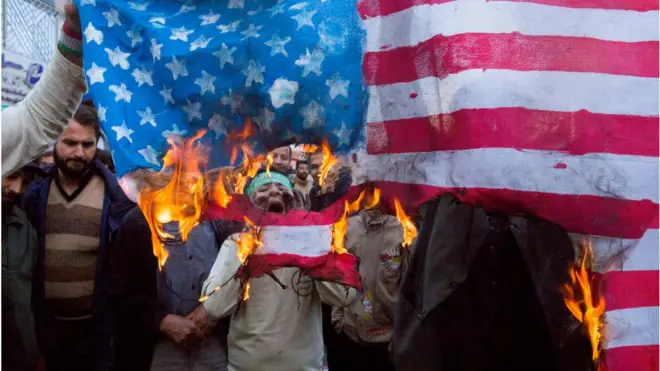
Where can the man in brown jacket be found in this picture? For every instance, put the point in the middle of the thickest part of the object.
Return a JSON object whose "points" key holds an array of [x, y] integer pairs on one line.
{"points": [[365, 328]]}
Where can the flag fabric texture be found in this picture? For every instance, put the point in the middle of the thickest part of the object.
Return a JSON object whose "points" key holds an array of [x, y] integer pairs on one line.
{"points": [[545, 107], [173, 67]]}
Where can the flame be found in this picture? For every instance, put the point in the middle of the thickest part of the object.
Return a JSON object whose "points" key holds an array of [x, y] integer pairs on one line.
{"points": [[409, 229], [220, 194], [246, 291], [309, 148], [329, 160], [248, 169], [584, 305], [339, 228], [269, 163], [181, 200], [248, 241], [206, 297]]}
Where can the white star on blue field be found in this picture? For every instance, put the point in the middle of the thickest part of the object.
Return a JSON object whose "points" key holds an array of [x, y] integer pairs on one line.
{"points": [[171, 67]]}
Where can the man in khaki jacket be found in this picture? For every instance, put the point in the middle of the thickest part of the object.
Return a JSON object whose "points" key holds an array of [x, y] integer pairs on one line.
{"points": [[30, 127], [365, 328]]}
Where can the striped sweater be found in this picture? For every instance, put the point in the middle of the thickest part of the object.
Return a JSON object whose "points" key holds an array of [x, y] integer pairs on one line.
{"points": [[73, 229]]}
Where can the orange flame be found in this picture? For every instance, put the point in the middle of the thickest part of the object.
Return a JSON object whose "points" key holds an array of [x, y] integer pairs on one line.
{"points": [[269, 163], [220, 194], [409, 229], [206, 297], [248, 241], [584, 305], [248, 168], [181, 200], [329, 160], [339, 228], [246, 291], [309, 148]]}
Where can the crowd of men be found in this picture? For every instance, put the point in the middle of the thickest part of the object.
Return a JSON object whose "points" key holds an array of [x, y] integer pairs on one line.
{"points": [[82, 290]]}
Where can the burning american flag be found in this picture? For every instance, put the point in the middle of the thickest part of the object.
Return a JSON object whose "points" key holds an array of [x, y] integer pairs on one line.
{"points": [[546, 107]]}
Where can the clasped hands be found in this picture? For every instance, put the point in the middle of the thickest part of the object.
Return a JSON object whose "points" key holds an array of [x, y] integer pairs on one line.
{"points": [[190, 331]]}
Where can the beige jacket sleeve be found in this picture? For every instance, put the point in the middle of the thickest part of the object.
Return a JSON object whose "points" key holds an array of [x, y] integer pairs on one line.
{"points": [[336, 295], [222, 303], [29, 127]]}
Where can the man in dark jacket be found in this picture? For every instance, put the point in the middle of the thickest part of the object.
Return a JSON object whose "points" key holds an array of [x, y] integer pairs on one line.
{"points": [[74, 210], [482, 293], [157, 327], [19, 256]]}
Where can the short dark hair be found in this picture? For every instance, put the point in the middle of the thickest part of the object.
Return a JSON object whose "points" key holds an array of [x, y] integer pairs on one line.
{"points": [[86, 116], [301, 162], [106, 158]]}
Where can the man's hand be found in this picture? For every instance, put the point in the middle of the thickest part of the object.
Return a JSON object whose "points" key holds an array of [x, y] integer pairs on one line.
{"points": [[204, 322], [71, 47], [182, 331], [72, 17]]}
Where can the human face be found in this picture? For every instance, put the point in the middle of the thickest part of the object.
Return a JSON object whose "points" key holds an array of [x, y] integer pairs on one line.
{"points": [[272, 197], [46, 160], [302, 171], [75, 150], [315, 160], [282, 159], [12, 187]]}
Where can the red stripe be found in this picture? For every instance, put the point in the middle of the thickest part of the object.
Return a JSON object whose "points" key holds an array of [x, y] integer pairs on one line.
{"points": [[593, 215], [631, 289], [634, 358], [608, 217], [340, 268], [574, 132], [441, 55], [240, 207], [375, 8]]}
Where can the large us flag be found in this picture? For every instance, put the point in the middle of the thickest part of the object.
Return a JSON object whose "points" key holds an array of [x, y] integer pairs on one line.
{"points": [[548, 107]]}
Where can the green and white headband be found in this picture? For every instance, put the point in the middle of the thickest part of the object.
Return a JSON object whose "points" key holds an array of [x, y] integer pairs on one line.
{"points": [[263, 178]]}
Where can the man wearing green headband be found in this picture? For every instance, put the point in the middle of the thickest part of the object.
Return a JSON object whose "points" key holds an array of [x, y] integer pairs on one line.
{"points": [[277, 329], [271, 191]]}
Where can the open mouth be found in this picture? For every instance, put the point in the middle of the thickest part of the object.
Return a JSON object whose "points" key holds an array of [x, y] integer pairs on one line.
{"points": [[275, 207]]}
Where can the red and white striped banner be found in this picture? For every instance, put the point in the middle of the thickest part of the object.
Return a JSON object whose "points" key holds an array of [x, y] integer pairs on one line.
{"points": [[546, 107]]}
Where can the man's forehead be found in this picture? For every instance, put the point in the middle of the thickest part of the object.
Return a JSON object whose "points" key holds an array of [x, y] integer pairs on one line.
{"points": [[281, 150], [74, 131]]}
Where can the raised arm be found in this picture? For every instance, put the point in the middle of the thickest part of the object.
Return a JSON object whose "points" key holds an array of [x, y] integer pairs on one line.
{"points": [[29, 127]]}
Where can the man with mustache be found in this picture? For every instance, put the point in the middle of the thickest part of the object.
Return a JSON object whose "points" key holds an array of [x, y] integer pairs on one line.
{"points": [[19, 255], [74, 210], [276, 329]]}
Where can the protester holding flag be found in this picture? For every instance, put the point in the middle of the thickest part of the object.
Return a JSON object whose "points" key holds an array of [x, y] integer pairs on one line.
{"points": [[277, 329], [29, 127]]}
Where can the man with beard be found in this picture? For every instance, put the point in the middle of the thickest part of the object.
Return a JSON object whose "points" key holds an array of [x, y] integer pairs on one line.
{"points": [[282, 164], [282, 159], [19, 255], [74, 210], [302, 181], [276, 329]]}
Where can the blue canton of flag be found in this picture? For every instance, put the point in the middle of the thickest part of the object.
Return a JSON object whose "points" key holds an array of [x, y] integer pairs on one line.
{"points": [[168, 67]]}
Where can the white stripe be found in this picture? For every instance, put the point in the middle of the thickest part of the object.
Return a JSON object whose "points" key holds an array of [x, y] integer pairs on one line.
{"points": [[620, 254], [631, 327], [310, 240], [541, 90], [597, 174], [419, 23]]}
